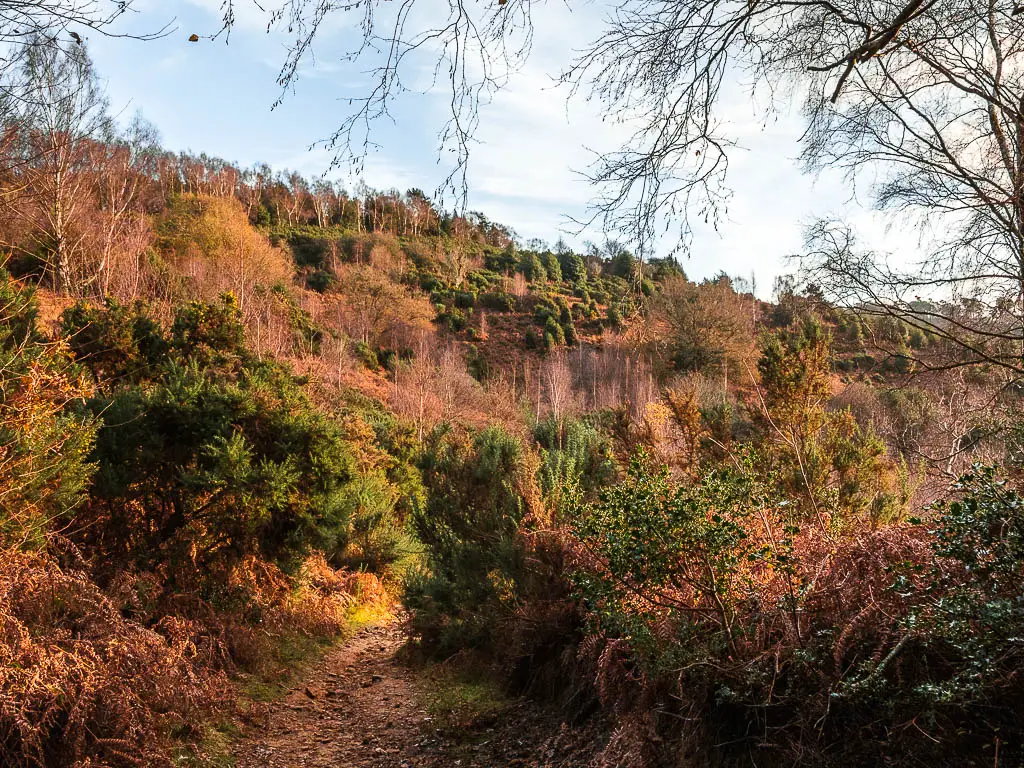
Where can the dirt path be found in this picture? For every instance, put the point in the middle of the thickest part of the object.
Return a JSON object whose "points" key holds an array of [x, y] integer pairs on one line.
{"points": [[362, 707], [356, 708]]}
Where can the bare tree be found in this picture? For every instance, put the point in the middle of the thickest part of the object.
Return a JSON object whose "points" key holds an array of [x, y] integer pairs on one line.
{"points": [[661, 65], [119, 172], [25, 26], [520, 286], [21, 22], [61, 112], [940, 120], [557, 379], [324, 199], [255, 181]]}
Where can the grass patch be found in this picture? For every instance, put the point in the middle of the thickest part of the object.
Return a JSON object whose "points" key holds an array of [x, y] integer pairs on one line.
{"points": [[213, 750], [463, 698]]}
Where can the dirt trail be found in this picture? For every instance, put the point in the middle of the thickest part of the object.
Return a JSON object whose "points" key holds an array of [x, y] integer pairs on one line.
{"points": [[356, 708], [362, 707]]}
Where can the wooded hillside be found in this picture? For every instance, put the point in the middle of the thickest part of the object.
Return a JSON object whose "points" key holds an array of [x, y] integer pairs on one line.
{"points": [[241, 410]]}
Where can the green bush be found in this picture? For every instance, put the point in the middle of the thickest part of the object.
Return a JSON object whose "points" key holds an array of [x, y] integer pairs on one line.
{"points": [[502, 262], [552, 267], [370, 534], [576, 458], [573, 268], [967, 609], [482, 279], [657, 540], [309, 250], [614, 317], [545, 308], [553, 330], [320, 280], [465, 299], [498, 302], [209, 333], [118, 342], [45, 440], [214, 456], [453, 319], [569, 331], [480, 490], [196, 473], [532, 268], [367, 355]]}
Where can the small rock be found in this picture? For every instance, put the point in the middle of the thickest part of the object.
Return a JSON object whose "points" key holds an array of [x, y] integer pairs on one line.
{"points": [[309, 693]]}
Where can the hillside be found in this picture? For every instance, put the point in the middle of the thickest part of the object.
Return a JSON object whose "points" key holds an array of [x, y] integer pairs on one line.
{"points": [[244, 414]]}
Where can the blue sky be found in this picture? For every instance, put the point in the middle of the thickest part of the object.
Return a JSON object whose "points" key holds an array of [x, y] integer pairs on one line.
{"points": [[524, 172]]}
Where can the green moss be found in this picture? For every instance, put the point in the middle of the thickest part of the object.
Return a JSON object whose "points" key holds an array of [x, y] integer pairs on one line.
{"points": [[213, 750], [459, 698]]}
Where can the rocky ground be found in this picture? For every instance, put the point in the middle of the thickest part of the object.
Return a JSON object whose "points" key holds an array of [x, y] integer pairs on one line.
{"points": [[364, 706]]}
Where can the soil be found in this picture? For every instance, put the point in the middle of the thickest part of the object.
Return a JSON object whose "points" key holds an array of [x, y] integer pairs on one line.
{"points": [[365, 706]]}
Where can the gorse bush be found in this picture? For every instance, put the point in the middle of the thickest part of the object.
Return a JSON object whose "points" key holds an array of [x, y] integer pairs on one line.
{"points": [[212, 456], [480, 492], [575, 457], [371, 534], [44, 443], [116, 342], [206, 472], [212, 333], [830, 466], [493, 581]]}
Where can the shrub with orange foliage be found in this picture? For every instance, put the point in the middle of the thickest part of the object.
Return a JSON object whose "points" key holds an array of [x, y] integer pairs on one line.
{"points": [[369, 307], [317, 602], [82, 685], [210, 241]]}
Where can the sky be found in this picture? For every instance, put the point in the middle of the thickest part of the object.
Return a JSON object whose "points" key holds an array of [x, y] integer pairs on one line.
{"points": [[533, 141]]}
